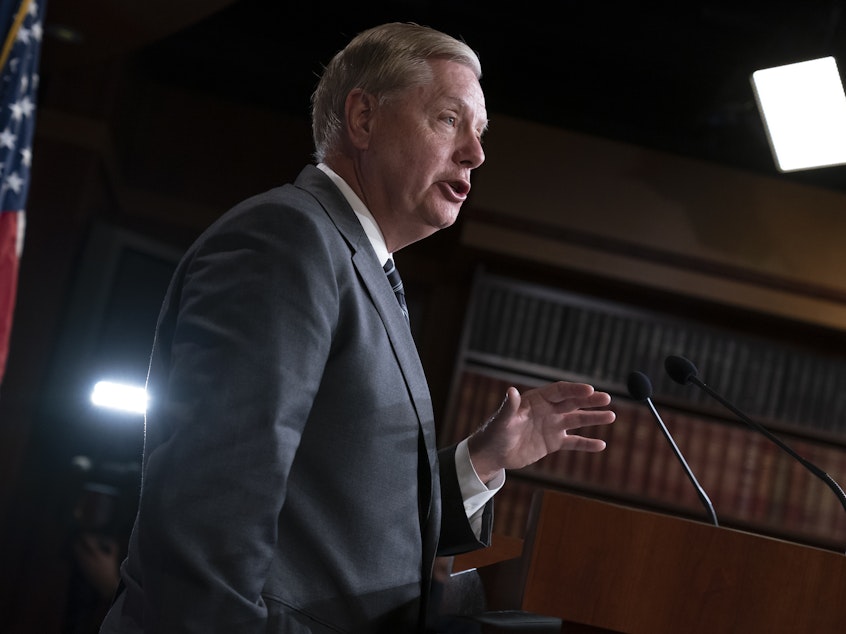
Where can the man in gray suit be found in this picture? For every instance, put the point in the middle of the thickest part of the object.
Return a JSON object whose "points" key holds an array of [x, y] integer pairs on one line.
{"points": [[291, 478]]}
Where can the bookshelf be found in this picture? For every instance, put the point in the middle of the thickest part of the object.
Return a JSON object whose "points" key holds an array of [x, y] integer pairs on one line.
{"points": [[524, 334]]}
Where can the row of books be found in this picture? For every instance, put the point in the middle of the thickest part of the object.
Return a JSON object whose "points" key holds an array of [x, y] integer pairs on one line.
{"points": [[551, 332], [749, 480]]}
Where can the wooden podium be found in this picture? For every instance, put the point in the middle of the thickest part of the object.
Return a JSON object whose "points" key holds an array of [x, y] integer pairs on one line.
{"points": [[603, 567]]}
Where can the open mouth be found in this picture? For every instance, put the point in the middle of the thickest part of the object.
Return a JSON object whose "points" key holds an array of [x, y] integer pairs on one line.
{"points": [[459, 188]]}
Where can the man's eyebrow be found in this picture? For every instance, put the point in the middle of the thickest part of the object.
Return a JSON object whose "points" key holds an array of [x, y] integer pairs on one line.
{"points": [[464, 105]]}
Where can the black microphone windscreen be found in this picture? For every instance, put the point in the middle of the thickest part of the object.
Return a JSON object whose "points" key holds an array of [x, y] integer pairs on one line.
{"points": [[640, 387], [681, 370]]}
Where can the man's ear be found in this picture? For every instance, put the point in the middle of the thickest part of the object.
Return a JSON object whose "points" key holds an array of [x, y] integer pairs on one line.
{"points": [[360, 109]]}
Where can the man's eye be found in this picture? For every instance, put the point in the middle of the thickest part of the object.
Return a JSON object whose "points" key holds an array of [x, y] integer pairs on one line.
{"points": [[452, 121]]}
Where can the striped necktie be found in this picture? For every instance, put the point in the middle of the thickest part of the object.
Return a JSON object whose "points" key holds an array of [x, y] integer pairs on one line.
{"points": [[396, 284]]}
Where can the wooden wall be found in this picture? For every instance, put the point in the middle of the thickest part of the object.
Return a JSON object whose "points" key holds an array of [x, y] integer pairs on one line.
{"points": [[661, 221]]}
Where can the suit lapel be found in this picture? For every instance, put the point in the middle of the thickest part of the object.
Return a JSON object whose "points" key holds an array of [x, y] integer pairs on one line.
{"points": [[373, 276]]}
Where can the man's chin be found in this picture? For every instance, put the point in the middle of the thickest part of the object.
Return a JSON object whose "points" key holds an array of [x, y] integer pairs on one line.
{"points": [[446, 219]]}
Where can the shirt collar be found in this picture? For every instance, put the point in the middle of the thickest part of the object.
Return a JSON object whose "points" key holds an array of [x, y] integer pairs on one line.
{"points": [[368, 222]]}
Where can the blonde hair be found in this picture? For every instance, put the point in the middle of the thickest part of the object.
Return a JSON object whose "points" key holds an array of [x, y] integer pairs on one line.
{"points": [[381, 61]]}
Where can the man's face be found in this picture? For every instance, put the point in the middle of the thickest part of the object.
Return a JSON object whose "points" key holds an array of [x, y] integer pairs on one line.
{"points": [[415, 172]]}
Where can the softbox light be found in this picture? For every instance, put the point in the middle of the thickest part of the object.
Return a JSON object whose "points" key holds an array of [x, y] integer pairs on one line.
{"points": [[803, 108]]}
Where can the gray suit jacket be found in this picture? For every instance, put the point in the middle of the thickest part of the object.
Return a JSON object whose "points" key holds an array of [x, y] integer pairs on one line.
{"points": [[282, 490]]}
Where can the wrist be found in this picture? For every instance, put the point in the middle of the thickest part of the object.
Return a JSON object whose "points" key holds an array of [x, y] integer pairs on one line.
{"points": [[485, 468]]}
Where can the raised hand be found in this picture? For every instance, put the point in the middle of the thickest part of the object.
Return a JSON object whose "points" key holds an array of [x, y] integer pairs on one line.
{"points": [[538, 422]]}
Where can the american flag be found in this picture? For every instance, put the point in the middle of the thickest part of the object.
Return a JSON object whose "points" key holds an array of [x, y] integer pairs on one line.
{"points": [[21, 24]]}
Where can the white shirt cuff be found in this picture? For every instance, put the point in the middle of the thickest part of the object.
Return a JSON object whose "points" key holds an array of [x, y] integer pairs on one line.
{"points": [[474, 492]]}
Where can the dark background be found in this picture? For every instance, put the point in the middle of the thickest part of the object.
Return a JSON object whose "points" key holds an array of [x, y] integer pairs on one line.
{"points": [[154, 117]]}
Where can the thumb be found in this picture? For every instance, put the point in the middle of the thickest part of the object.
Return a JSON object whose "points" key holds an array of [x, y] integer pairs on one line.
{"points": [[510, 403]]}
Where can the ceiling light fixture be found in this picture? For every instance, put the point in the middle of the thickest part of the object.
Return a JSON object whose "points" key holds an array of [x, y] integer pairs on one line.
{"points": [[803, 108]]}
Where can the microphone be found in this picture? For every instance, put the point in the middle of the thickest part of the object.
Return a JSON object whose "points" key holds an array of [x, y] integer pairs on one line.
{"points": [[682, 370], [640, 388]]}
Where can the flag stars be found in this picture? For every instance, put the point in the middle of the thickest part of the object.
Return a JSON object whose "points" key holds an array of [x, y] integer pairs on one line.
{"points": [[7, 139], [27, 106], [14, 182], [17, 111], [23, 35], [18, 83], [22, 108]]}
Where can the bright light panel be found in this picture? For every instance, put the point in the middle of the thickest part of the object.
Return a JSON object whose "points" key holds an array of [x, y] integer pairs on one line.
{"points": [[119, 396], [804, 111]]}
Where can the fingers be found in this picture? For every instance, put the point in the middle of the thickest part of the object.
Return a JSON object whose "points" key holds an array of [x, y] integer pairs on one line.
{"points": [[589, 418], [576, 394], [594, 401], [563, 390], [565, 399], [580, 443]]}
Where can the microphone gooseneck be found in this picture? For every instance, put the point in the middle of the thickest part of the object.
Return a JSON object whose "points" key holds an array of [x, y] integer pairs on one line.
{"points": [[683, 371], [640, 389]]}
